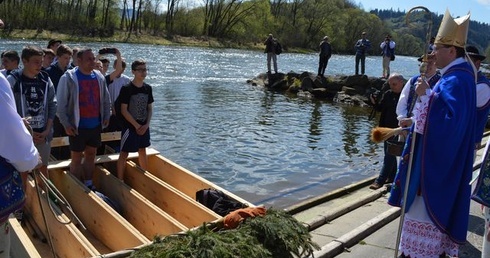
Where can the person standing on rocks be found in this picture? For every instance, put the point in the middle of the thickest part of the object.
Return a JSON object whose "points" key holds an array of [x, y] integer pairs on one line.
{"points": [[362, 47], [325, 54], [388, 52], [270, 49]]}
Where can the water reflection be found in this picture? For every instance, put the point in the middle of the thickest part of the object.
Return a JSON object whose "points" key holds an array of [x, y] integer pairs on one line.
{"points": [[315, 124]]}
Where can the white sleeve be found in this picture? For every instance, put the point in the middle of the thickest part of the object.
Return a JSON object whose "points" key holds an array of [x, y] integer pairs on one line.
{"points": [[24, 155], [482, 94], [402, 106], [392, 44]]}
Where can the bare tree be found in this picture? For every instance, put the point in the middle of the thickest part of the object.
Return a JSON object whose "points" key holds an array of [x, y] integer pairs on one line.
{"points": [[221, 16], [124, 19], [172, 6], [156, 12], [133, 19]]}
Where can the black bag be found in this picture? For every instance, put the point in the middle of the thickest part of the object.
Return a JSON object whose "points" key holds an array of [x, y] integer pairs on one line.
{"points": [[278, 48], [392, 57], [395, 147], [218, 201], [12, 195]]}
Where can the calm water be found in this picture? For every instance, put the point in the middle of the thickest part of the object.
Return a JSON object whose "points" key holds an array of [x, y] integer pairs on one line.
{"points": [[266, 147]]}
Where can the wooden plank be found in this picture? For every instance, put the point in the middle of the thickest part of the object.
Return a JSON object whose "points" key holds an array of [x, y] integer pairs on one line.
{"points": [[59, 164], [100, 219], [67, 240], [182, 179], [20, 244], [136, 209], [178, 205], [105, 137]]}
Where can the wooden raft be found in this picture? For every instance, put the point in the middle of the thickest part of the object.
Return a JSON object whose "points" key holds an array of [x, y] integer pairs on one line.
{"points": [[153, 203]]}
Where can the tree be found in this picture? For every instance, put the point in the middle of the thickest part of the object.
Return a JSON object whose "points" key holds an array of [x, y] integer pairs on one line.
{"points": [[172, 7], [221, 16]]}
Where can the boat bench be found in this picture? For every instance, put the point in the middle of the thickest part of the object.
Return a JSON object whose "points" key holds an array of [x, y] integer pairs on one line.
{"points": [[105, 137]]}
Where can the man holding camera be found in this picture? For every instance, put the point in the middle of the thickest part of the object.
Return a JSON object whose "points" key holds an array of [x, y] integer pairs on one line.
{"points": [[388, 52], [83, 109], [362, 47]]}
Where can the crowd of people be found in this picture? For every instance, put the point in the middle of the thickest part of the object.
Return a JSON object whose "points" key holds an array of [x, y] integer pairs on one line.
{"points": [[62, 91], [362, 47], [445, 108]]}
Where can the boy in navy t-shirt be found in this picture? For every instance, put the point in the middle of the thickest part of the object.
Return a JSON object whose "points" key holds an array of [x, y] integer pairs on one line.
{"points": [[136, 107]]}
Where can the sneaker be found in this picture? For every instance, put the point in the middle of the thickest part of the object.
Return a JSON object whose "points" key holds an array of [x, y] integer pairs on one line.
{"points": [[375, 186]]}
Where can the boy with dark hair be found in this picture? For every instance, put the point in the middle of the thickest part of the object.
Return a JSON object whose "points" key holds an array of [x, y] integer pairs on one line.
{"points": [[55, 71], [137, 108], [35, 98], [48, 57], [10, 61], [59, 67], [74, 62], [105, 64]]}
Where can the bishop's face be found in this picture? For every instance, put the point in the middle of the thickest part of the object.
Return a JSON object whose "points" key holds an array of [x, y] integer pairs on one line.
{"points": [[445, 54]]}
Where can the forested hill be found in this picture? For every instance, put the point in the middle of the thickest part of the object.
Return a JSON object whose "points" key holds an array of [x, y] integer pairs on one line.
{"points": [[298, 24], [478, 34]]}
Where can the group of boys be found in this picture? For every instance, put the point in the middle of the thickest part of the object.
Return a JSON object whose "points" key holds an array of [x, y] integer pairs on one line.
{"points": [[76, 99]]}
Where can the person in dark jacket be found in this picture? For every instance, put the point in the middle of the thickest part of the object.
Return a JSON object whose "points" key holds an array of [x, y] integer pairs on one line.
{"points": [[388, 118], [325, 54], [270, 49], [362, 47]]}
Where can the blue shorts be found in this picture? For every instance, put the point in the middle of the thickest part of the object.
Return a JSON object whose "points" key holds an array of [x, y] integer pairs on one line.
{"points": [[132, 142]]}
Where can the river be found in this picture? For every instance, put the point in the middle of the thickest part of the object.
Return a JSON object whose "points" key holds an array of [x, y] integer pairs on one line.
{"points": [[266, 147]]}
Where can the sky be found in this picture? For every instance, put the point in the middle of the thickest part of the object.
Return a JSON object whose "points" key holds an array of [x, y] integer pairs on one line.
{"points": [[479, 9]]}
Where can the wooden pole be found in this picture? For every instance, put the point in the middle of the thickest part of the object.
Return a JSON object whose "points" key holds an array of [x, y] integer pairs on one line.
{"points": [[423, 69]]}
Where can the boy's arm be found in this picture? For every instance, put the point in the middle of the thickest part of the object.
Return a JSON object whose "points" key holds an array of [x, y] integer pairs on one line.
{"points": [[128, 116], [62, 96], [106, 102], [52, 102], [119, 67], [150, 113]]}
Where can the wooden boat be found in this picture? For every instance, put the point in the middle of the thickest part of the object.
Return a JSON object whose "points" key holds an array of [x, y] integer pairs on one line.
{"points": [[157, 202]]}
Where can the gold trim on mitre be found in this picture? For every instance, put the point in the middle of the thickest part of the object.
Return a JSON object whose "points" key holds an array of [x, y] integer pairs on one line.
{"points": [[453, 32]]}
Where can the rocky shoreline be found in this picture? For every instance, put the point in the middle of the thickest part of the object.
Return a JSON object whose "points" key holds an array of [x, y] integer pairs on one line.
{"points": [[353, 89]]}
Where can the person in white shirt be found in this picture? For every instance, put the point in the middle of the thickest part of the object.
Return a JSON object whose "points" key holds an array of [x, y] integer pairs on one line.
{"points": [[407, 101], [388, 52], [16, 148]]}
